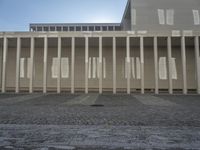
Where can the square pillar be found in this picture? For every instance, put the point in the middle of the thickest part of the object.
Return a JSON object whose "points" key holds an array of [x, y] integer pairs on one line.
{"points": [[45, 65], [184, 65], [18, 65], [59, 65], [114, 66], [32, 65], [72, 64], [100, 65], [197, 59], [156, 64], [169, 53], [128, 64], [5, 49], [142, 63], [86, 63]]}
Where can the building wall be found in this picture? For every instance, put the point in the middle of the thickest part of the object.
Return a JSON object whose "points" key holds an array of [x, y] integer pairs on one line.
{"points": [[147, 16], [107, 55]]}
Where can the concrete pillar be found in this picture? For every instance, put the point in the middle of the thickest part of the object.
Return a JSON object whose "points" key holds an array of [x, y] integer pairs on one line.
{"points": [[142, 63], [17, 81], [197, 59], [45, 65], [169, 52], [128, 64], [184, 65], [86, 63], [156, 64], [114, 66], [100, 65], [32, 65], [5, 49], [72, 64], [59, 65]]}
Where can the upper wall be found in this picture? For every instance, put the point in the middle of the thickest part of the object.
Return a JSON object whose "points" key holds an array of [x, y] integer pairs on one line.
{"points": [[162, 15]]}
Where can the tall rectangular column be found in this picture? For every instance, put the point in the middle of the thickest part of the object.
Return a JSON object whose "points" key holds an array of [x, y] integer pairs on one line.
{"points": [[156, 64], [18, 65], [86, 63], [72, 64], [5, 49], [31, 65], [45, 65], [59, 65], [128, 64], [142, 63], [114, 66], [184, 65], [169, 53], [197, 59], [100, 65]]}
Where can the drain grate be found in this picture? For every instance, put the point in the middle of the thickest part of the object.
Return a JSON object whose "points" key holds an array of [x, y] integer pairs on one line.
{"points": [[97, 105]]}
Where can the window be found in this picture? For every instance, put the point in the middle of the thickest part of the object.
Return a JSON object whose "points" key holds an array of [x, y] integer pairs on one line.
{"points": [[78, 28], [97, 28], [22, 66], [196, 17], [91, 28], [65, 28], [71, 28], [52, 28], [39, 28], [170, 17], [93, 68], [84, 28], [166, 16], [64, 67], [133, 16], [110, 28], [46, 29], [58, 29], [104, 28]]}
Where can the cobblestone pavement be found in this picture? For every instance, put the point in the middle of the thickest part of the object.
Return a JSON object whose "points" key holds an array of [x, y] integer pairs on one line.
{"points": [[117, 122]]}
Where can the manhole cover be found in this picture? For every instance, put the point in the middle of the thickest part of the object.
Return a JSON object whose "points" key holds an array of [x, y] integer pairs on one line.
{"points": [[97, 105]]}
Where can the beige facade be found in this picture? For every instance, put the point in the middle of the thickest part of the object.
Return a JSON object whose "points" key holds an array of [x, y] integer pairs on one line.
{"points": [[99, 61]]}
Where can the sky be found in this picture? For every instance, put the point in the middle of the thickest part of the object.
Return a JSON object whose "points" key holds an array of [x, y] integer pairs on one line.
{"points": [[16, 15]]}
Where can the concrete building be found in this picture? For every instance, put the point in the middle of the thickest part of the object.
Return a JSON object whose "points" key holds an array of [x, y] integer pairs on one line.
{"points": [[154, 48]]}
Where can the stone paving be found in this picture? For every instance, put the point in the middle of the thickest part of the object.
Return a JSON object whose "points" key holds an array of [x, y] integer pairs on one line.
{"points": [[67, 121]]}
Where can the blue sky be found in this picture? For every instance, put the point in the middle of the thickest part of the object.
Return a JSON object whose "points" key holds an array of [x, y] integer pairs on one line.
{"points": [[15, 15]]}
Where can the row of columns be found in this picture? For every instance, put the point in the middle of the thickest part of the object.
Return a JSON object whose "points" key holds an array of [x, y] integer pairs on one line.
{"points": [[169, 53]]}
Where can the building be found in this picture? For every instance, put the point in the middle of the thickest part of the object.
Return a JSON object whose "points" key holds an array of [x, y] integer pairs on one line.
{"points": [[154, 48]]}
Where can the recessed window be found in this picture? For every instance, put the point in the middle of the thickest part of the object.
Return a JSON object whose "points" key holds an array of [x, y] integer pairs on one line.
{"points": [[58, 29], [39, 28], [71, 28], [104, 28], [78, 28], [110, 28], [33, 28], [84, 28], [46, 28], [52, 28], [97, 28], [91, 28], [65, 28]]}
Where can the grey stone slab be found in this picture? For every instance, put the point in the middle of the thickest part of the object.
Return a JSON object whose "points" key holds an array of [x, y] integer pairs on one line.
{"points": [[18, 99], [104, 137], [153, 100], [85, 99]]}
